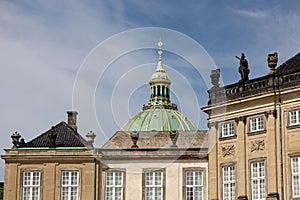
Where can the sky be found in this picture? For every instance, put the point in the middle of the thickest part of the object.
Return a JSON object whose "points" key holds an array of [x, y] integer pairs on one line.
{"points": [[97, 57]]}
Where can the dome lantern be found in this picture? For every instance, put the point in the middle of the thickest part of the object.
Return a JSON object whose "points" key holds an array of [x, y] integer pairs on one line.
{"points": [[159, 114], [160, 82]]}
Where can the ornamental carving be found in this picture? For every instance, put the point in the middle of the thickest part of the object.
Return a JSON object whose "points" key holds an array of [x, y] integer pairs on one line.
{"points": [[257, 145], [272, 61], [228, 150]]}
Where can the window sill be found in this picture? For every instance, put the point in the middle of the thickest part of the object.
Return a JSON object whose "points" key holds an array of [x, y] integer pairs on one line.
{"points": [[293, 127], [257, 132], [228, 137], [295, 198]]}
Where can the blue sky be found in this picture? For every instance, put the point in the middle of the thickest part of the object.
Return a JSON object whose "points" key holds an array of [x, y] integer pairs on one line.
{"points": [[45, 44]]}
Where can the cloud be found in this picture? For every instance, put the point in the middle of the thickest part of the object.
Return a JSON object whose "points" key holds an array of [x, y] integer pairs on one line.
{"points": [[42, 47], [256, 14], [44, 43]]}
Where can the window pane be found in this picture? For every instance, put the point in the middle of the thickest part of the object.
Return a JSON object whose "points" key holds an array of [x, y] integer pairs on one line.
{"points": [[228, 129], [256, 124], [31, 185], [74, 178], [258, 180], [228, 182], [26, 193], [118, 178], [69, 185], [114, 186], [158, 177], [294, 117], [153, 185], [295, 176], [194, 188]]}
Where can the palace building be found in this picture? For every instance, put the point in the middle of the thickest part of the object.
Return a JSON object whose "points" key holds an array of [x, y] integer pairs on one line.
{"points": [[251, 149], [158, 154], [254, 136]]}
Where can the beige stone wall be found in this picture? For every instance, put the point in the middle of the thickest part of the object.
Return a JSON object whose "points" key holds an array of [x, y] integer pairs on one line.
{"points": [[50, 173], [246, 144], [173, 176]]}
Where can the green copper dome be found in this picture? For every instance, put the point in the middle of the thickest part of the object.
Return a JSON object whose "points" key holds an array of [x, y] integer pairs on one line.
{"points": [[159, 119], [160, 114]]}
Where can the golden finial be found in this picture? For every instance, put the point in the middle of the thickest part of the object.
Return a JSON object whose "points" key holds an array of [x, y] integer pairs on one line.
{"points": [[160, 44]]}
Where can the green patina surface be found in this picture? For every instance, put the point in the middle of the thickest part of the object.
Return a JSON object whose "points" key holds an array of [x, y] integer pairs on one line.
{"points": [[159, 119]]}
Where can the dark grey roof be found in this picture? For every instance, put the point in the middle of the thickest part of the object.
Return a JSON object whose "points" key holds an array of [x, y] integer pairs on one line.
{"points": [[66, 137], [290, 66]]}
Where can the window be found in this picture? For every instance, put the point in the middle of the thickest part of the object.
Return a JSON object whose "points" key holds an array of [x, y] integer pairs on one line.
{"points": [[228, 182], [31, 185], [193, 185], [295, 163], [258, 185], [69, 185], [256, 124], [114, 186], [153, 185], [294, 117], [227, 129]]}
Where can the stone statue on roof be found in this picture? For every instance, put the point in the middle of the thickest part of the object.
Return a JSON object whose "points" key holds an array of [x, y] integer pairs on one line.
{"points": [[243, 68]]}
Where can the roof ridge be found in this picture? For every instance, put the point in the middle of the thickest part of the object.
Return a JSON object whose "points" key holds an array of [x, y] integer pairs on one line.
{"points": [[288, 62], [64, 131]]}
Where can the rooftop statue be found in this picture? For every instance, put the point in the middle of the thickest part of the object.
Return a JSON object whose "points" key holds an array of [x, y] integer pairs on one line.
{"points": [[243, 68], [215, 77]]}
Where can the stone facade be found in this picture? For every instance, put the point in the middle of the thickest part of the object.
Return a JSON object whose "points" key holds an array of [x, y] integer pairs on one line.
{"points": [[50, 163], [250, 151], [250, 129]]}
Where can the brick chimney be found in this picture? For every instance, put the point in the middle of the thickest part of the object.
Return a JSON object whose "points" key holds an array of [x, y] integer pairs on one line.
{"points": [[72, 117]]}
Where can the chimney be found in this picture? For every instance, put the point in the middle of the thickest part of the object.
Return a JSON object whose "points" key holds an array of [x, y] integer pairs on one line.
{"points": [[72, 116]]}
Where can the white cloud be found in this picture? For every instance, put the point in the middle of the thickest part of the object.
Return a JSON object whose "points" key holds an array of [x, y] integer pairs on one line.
{"points": [[43, 44], [257, 14]]}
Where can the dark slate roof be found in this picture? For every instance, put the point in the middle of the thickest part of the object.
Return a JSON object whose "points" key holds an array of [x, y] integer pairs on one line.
{"points": [[158, 139], [66, 137], [290, 66]]}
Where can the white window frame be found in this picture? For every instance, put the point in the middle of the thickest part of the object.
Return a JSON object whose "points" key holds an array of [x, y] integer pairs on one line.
{"points": [[114, 182], [31, 185], [151, 187], [227, 129], [294, 117], [258, 180], [295, 173], [69, 185], [229, 182], [195, 186], [257, 124]]}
